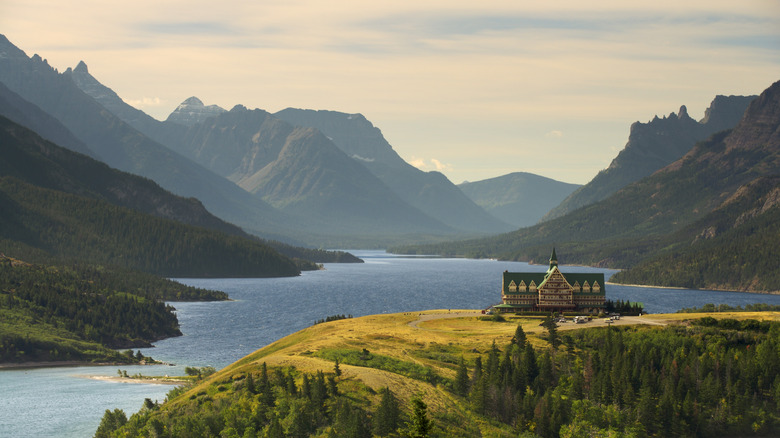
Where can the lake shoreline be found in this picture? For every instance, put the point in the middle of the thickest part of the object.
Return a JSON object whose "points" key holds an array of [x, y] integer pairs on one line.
{"points": [[138, 380], [68, 363], [648, 286]]}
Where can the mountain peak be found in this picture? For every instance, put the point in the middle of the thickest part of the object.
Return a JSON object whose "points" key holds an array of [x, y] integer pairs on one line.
{"points": [[192, 111], [192, 101], [725, 111], [81, 68], [683, 113]]}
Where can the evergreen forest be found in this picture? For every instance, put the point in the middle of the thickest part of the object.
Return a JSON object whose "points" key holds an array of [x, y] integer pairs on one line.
{"points": [[82, 313], [713, 378]]}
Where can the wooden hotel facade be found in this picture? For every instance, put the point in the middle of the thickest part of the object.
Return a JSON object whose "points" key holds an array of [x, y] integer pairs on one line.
{"points": [[552, 291]]}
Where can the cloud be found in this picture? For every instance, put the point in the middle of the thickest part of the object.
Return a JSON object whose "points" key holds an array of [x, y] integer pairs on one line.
{"points": [[430, 164], [144, 102], [554, 134]]}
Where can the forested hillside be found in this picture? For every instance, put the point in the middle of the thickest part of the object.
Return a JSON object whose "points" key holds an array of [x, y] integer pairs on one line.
{"points": [[734, 248], [79, 312], [47, 225], [710, 378], [59, 205]]}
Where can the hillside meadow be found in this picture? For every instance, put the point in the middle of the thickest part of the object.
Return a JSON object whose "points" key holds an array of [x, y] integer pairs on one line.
{"points": [[332, 379]]}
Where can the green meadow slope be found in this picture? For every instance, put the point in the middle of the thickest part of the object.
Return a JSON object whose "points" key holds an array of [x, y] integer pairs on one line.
{"points": [[458, 373]]}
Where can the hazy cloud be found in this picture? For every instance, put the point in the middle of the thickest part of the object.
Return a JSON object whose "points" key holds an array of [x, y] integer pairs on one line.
{"points": [[144, 102], [430, 164], [554, 134], [460, 80]]}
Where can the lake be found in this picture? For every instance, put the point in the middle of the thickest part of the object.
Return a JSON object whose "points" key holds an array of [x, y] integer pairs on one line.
{"points": [[61, 402]]}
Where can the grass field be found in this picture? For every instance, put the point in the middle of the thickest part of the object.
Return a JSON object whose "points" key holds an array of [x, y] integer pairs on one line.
{"points": [[390, 350]]}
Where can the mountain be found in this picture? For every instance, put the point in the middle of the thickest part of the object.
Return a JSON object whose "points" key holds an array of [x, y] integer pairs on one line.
{"points": [[733, 248], [158, 131], [240, 151], [519, 198], [123, 147], [59, 205], [683, 218], [14, 107], [654, 145], [302, 173], [192, 111], [430, 192], [30, 158]]}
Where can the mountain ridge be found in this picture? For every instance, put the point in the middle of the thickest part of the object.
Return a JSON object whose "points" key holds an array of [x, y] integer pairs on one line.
{"points": [[429, 192], [653, 145], [125, 148], [519, 198], [56, 204]]}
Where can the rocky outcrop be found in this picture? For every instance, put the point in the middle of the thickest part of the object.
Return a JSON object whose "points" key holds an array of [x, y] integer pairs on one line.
{"points": [[653, 145]]}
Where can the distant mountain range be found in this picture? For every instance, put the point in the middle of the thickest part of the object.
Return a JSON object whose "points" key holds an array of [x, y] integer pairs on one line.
{"points": [[123, 147], [681, 190], [430, 192], [708, 219], [519, 198], [312, 201]]}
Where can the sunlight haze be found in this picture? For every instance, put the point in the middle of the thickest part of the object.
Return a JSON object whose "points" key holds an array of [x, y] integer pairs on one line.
{"points": [[473, 90]]}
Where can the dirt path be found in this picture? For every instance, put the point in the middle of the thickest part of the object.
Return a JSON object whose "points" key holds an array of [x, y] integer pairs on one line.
{"points": [[429, 316], [625, 320]]}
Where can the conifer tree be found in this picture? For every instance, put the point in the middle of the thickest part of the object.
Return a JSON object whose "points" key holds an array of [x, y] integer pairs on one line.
{"points": [[388, 413], [420, 425], [336, 368], [461, 384], [519, 337], [111, 421], [250, 383], [552, 331]]}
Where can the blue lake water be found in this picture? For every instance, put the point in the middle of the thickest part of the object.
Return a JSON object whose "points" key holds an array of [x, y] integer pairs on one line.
{"points": [[59, 402]]}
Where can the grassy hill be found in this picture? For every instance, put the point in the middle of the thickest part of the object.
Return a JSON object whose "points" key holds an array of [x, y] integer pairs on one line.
{"points": [[425, 357]]}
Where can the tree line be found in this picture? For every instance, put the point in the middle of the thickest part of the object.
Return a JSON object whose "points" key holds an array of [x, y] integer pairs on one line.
{"points": [[709, 379], [274, 403]]}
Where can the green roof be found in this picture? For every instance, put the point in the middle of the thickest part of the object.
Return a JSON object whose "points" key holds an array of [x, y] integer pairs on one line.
{"points": [[539, 277]]}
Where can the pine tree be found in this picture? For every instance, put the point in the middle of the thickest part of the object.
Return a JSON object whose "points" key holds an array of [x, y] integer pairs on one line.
{"points": [[388, 413], [519, 337], [461, 384], [250, 384], [111, 421], [552, 331], [420, 425]]}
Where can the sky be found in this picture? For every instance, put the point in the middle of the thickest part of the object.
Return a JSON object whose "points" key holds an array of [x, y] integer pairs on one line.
{"points": [[474, 90]]}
